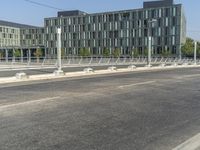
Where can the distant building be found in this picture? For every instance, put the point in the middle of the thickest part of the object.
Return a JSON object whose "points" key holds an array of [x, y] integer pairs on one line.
{"points": [[15, 36], [127, 30]]}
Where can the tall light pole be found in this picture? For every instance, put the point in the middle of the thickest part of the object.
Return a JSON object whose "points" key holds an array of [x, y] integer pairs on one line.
{"points": [[59, 49], [59, 61], [150, 42], [180, 52], [195, 53]]}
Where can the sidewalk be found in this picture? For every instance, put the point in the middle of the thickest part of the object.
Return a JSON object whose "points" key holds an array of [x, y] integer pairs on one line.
{"points": [[5, 80]]}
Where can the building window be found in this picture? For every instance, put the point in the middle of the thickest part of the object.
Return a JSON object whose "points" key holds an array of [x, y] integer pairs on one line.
{"points": [[159, 22], [173, 49], [160, 13], [125, 16], [173, 21], [110, 18], [133, 15], [145, 32], [89, 27], [105, 26], [167, 22], [47, 22], [167, 11], [99, 18], [174, 11], [84, 20], [140, 16], [116, 17], [145, 23]]}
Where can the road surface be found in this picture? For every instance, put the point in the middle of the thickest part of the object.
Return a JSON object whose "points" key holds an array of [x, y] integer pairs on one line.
{"points": [[155, 110]]}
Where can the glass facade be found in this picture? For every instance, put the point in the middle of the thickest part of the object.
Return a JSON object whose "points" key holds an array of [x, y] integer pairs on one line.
{"points": [[30, 37], [9, 36], [126, 30]]}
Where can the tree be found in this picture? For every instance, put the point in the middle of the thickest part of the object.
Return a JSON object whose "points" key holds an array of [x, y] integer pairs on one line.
{"points": [[134, 53], [17, 53], [198, 49], [116, 52], [188, 48], [166, 53], [62, 53], [84, 52], [38, 53], [1, 55], [145, 52], [106, 52]]}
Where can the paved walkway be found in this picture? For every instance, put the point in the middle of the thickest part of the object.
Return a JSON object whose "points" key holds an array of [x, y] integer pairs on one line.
{"points": [[4, 80]]}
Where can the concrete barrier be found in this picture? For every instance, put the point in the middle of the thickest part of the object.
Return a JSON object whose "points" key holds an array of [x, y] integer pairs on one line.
{"points": [[58, 73], [132, 67], [113, 68], [88, 70], [162, 65], [21, 75]]}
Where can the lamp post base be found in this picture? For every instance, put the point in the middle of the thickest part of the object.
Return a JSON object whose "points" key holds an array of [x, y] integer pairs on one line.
{"points": [[149, 65], [59, 73]]}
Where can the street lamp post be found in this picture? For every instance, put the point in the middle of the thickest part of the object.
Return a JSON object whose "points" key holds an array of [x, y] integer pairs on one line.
{"points": [[59, 49], [149, 52], [180, 52], [195, 53], [59, 61], [150, 42]]}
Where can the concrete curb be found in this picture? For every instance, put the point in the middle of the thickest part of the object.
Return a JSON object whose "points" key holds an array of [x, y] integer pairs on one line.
{"points": [[191, 144], [5, 80]]}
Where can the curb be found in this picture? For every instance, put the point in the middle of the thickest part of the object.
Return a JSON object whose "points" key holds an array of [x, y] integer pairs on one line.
{"points": [[5, 80], [191, 144]]}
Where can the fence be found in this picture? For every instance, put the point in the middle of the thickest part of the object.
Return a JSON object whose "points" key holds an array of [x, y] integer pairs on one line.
{"points": [[89, 61]]}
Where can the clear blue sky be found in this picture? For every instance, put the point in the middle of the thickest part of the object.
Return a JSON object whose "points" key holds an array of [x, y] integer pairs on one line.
{"points": [[23, 12]]}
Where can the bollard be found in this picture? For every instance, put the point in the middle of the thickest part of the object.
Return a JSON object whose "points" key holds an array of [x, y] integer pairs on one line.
{"points": [[112, 68], [88, 70], [132, 67], [21, 75]]}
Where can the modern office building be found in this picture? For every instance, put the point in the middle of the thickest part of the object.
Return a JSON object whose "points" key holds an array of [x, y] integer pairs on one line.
{"points": [[126, 30], [25, 38]]}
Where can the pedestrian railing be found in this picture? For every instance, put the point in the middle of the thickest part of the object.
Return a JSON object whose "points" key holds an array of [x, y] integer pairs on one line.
{"points": [[90, 61]]}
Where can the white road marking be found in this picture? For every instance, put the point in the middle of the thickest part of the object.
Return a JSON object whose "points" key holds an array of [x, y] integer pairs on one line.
{"points": [[194, 75], [191, 144], [188, 76], [135, 84], [29, 102]]}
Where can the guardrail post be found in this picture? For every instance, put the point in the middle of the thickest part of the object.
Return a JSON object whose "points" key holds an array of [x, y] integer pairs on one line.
{"points": [[80, 60], [43, 61], [100, 60], [91, 59], [22, 56], [109, 60], [29, 56], [6, 55]]}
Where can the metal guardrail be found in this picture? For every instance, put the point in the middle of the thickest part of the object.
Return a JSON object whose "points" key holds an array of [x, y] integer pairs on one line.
{"points": [[89, 61]]}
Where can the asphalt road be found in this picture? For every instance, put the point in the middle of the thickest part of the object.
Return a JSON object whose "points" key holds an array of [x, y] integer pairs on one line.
{"points": [[129, 111]]}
